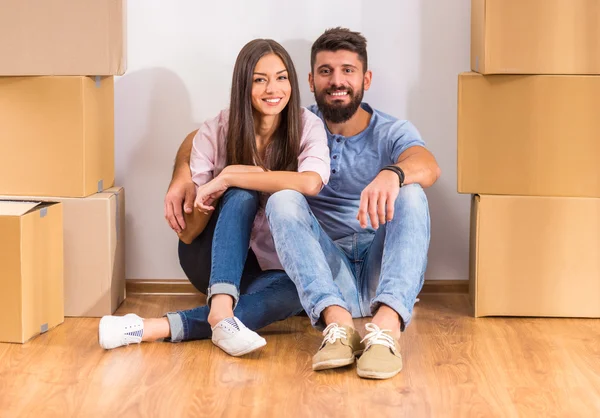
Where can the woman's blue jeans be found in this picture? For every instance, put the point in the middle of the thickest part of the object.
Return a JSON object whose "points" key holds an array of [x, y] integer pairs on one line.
{"points": [[219, 262]]}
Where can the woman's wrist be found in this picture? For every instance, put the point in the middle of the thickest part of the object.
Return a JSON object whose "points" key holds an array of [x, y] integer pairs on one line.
{"points": [[228, 179]]}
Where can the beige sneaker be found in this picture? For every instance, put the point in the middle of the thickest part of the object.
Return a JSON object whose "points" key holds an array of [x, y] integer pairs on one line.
{"points": [[340, 347], [381, 358]]}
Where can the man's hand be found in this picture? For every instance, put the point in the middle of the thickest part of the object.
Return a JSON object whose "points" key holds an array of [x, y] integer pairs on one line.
{"points": [[378, 198], [211, 192], [180, 196]]}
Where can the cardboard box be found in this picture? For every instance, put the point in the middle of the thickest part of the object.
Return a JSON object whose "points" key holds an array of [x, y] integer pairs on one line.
{"points": [[56, 135], [529, 135], [94, 242], [535, 36], [535, 256], [31, 269], [63, 37]]}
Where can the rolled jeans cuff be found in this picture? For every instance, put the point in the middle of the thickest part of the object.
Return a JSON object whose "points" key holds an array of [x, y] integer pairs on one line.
{"points": [[177, 326], [223, 289]]}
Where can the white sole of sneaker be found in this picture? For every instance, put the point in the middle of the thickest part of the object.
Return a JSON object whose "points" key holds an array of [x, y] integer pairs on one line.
{"points": [[369, 374], [333, 364], [258, 344]]}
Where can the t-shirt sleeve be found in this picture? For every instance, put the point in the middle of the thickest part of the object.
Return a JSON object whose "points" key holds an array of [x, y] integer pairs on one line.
{"points": [[314, 152], [404, 135], [204, 152]]}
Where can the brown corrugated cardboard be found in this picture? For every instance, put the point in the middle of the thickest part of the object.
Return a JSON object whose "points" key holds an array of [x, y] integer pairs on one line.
{"points": [[94, 242], [529, 135], [535, 36], [31, 269], [56, 135], [63, 37], [535, 256]]}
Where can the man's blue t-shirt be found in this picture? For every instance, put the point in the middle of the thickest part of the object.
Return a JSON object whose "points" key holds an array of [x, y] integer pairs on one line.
{"points": [[355, 162]]}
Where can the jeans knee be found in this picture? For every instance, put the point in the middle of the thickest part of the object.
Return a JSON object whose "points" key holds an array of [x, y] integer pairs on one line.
{"points": [[234, 195], [413, 197], [286, 204]]}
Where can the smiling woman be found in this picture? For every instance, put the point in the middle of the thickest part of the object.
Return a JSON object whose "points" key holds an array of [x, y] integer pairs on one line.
{"points": [[264, 143]]}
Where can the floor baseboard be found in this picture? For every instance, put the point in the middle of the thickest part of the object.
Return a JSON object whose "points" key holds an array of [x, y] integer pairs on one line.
{"points": [[184, 287]]}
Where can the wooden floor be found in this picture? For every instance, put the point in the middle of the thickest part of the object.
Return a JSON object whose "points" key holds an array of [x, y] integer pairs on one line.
{"points": [[455, 366]]}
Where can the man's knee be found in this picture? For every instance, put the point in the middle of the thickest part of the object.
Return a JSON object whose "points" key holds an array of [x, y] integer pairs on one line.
{"points": [[412, 197], [286, 204]]}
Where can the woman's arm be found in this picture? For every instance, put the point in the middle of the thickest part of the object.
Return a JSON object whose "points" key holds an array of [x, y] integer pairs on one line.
{"points": [[308, 183]]}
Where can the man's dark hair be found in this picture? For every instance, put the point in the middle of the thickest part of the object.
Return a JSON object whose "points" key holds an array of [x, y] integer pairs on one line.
{"points": [[336, 39]]}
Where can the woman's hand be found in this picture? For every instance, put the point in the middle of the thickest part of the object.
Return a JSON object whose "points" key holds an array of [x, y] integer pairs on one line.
{"points": [[211, 192]]}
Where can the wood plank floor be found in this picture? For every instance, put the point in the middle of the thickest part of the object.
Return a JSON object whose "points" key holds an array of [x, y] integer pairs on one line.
{"points": [[455, 366]]}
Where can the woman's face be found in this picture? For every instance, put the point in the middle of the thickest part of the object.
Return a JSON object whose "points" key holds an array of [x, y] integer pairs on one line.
{"points": [[271, 88]]}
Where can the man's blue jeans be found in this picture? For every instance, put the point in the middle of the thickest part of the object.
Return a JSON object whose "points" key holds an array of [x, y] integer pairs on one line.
{"points": [[266, 296], [358, 272]]}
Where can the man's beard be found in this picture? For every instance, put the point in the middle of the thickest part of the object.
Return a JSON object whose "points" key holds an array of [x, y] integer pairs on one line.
{"points": [[338, 112]]}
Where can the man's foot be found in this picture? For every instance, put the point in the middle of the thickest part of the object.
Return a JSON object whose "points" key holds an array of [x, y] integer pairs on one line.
{"points": [[116, 331], [339, 348], [381, 358], [233, 337]]}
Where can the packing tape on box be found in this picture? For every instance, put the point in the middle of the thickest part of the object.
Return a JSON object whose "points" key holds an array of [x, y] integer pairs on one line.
{"points": [[98, 80], [118, 214], [100, 186], [43, 212]]}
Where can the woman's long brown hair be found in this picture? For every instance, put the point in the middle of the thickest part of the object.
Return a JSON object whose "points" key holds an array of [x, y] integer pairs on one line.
{"points": [[284, 148]]}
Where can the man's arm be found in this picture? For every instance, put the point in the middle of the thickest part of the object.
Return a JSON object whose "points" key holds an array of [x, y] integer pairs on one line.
{"points": [[182, 159], [182, 190], [419, 166], [377, 199], [179, 201]]}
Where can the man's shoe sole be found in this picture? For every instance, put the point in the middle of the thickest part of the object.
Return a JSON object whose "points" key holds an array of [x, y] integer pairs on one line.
{"points": [[333, 364], [370, 374]]}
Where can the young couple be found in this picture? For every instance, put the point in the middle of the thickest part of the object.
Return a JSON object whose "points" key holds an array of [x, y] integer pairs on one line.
{"points": [[320, 210]]}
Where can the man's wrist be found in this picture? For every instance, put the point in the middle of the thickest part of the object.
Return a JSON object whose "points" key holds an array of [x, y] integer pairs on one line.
{"points": [[182, 169], [395, 169]]}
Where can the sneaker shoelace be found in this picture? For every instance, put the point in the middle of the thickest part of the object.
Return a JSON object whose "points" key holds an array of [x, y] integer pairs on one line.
{"points": [[378, 336], [332, 333]]}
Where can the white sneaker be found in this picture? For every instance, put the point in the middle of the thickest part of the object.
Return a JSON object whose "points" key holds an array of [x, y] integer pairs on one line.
{"points": [[116, 331], [233, 337]]}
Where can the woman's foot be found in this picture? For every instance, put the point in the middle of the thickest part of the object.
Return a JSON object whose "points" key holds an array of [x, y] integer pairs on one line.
{"points": [[116, 331], [221, 307], [233, 337]]}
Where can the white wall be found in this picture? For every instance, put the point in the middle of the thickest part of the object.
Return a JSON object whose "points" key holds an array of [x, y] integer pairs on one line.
{"points": [[181, 55]]}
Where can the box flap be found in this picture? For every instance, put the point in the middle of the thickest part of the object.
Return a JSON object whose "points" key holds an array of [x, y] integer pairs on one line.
{"points": [[16, 208]]}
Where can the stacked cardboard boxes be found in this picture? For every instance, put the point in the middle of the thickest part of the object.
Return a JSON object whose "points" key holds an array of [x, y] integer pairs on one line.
{"points": [[529, 153], [61, 214]]}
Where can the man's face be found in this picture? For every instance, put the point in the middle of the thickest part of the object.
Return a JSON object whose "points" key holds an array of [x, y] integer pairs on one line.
{"points": [[338, 82]]}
